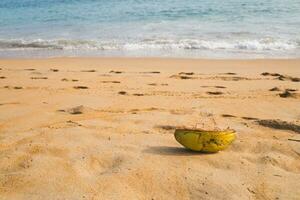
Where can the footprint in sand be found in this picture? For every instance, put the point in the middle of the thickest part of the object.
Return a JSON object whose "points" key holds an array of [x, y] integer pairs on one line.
{"points": [[217, 86], [281, 77], [187, 73], [2, 77], [274, 89], [90, 70], [153, 72], [80, 87], [110, 81], [115, 72], [250, 118], [166, 127], [155, 84], [122, 93], [185, 77], [291, 90], [17, 87], [288, 93], [73, 80], [214, 93], [76, 110], [228, 116], [138, 94], [228, 73], [54, 70], [38, 78]]}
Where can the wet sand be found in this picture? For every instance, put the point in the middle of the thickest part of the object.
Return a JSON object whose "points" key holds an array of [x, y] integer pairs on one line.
{"points": [[102, 128]]}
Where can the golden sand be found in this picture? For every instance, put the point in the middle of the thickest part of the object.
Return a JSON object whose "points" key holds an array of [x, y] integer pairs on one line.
{"points": [[102, 128]]}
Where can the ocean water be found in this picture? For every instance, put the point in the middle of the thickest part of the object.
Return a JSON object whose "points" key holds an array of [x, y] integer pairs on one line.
{"points": [[163, 28]]}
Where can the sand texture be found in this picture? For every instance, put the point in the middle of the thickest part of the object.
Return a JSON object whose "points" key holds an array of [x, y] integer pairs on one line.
{"points": [[102, 128]]}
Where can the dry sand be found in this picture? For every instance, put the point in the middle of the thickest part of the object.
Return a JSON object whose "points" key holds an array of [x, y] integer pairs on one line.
{"points": [[102, 128]]}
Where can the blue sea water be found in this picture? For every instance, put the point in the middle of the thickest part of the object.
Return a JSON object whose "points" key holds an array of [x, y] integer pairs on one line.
{"points": [[176, 28]]}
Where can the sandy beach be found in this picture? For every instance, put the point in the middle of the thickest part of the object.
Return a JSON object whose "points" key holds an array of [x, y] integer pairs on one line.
{"points": [[102, 128]]}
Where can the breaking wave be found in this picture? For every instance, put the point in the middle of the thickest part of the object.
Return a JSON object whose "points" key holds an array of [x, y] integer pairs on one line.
{"points": [[161, 44]]}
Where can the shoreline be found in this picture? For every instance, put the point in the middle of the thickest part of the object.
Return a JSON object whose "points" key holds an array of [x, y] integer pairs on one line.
{"points": [[148, 58]]}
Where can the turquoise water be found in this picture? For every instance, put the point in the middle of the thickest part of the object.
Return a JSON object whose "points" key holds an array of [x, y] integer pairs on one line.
{"points": [[176, 28]]}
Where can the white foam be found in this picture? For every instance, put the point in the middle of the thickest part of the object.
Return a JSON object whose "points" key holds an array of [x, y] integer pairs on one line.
{"points": [[267, 45]]}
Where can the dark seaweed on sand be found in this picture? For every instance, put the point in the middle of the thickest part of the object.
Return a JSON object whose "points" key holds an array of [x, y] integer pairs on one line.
{"points": [[279, 124]]}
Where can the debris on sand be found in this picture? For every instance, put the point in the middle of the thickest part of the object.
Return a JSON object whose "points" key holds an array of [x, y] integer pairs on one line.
{"points": [[279, 124]]}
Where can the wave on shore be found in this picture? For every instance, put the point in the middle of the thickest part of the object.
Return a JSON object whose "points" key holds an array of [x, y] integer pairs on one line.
{"points": [[186, 46], [266, 44]]}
